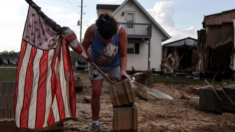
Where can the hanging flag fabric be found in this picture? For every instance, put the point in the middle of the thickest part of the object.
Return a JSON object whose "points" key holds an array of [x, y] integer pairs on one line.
{"points": [[45, 91]]}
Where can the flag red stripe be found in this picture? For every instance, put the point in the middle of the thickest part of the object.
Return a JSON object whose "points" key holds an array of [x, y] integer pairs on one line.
{"points": [[53, 88], [41, 97], [20, 59], [59, 94], [51, 119], [65, 59], [70, 38], [27, 90], [72, 89], [72, 95]]}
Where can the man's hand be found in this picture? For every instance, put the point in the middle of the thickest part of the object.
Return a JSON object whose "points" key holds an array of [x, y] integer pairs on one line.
{"points": [[123, 74]]}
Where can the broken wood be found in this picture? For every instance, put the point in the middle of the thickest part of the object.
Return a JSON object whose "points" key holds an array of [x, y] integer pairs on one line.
{"points": [[178, 62], [144, 78], [148, 94]]}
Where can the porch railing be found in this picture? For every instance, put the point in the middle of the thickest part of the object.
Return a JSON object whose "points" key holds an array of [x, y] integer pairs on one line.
{"points": [[138, 30]]}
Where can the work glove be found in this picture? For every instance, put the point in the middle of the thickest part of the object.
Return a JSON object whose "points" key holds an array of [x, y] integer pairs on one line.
{"points": [[71, 40], [123, 74]]}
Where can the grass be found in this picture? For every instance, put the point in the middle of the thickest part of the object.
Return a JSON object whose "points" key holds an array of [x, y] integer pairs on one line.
{"points": [[185, 80], [9, 74]]}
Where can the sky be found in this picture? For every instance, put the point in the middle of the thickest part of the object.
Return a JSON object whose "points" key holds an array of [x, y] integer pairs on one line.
{"points": [[179, 18]]}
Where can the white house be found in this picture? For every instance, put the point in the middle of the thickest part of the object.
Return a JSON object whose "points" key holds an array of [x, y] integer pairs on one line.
{"points": [[145, 35]]}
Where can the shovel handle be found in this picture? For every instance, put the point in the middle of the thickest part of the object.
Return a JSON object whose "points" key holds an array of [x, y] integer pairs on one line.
{"points": [[102, 72]]}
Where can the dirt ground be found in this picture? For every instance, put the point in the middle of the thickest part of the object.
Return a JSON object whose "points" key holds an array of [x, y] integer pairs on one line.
{"points": [[178, 115]]}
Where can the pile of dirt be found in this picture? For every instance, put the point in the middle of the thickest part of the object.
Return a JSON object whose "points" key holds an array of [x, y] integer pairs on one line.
{"points": [[159, 115]]}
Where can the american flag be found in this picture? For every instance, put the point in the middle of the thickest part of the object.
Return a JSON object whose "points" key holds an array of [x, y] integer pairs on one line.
{"points": [[44, 91]]}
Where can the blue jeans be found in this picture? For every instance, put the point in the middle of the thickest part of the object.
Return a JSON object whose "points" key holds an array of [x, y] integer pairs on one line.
{"points": [[112, 72]]}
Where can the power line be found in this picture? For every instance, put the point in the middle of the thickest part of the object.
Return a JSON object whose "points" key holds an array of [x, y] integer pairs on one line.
{"points": [[72, 6], [76, 2]]}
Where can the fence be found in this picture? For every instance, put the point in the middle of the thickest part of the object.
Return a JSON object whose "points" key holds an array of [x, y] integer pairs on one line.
{"points": [[7, 90]]}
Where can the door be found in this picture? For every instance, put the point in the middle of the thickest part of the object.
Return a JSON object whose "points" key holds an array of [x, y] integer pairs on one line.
{"points": [[130, 23]]}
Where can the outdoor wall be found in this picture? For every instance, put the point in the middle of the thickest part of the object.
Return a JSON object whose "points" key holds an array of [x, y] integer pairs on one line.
{"points": [[156, 40], [138, 61]]}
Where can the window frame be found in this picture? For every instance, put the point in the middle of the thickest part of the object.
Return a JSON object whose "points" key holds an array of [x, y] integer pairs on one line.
{"points": [[136, 48]]}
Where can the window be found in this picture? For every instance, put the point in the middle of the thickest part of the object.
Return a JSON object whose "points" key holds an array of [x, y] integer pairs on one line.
{"points": [[133, 48], [130, 19]]}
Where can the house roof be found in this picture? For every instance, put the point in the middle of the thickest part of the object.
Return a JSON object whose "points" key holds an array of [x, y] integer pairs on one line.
{"points": [[182, 42], [147, 14], [107, 7], [219, 18]]}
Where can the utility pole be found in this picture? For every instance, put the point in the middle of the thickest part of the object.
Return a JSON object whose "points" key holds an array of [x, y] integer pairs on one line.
{"points": [[81, 21]]}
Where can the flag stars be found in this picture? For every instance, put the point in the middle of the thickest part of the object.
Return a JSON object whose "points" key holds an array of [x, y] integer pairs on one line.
{"points": [[49, 46], [40, 44], [30, 25], [37, 30], [27, 37], [38, 36], [32, 33], [33, 15], [46, 39], [35, 22]]}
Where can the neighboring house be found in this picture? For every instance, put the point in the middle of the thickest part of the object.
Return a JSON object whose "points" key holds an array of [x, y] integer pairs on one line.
{"points": [[217, 45], [145, 35], [184, 53]]}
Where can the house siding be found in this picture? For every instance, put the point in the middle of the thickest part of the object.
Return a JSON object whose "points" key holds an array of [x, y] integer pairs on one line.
{"points": [[140, 61]]}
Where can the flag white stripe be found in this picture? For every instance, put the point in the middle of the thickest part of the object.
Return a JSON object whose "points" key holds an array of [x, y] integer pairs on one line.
{"points": [[48, 87], [21, 84], [67, 33], [55, 110], [63, 85], [74, 43], [33, 100], [83, 54]]}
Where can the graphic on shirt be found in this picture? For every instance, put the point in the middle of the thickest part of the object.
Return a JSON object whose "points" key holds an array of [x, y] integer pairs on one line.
{"points": [[106, 55]]}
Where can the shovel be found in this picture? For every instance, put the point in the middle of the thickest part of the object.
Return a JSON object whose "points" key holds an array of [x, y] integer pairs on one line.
{"points": [[93, 64]]}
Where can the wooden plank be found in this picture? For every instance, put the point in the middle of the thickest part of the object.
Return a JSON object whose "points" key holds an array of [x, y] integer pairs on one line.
{"points": [[230, 91], [3, 106], [11, 88], [125, 118], [209, 101], [121, 93], [10, 110], [3, 90]]}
